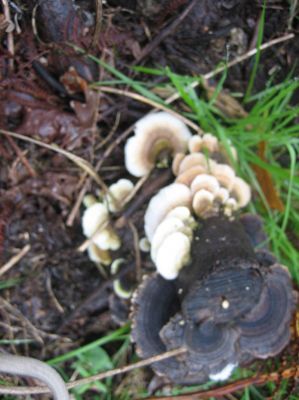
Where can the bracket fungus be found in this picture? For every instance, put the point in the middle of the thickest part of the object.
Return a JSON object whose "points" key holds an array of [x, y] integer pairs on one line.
{"points": [[214, 294], [154, 134], [96, 221], [226, 308]]}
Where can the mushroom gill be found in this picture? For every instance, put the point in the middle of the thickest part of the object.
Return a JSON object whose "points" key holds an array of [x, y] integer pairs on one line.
{"points": [[154, 134]]}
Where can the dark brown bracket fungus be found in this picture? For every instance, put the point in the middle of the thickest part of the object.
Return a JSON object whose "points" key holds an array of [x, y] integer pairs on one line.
{"points": [[232, 304]]}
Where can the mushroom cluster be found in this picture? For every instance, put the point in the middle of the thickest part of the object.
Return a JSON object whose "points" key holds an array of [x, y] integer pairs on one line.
{"points": [[96, 221], [205, 185], [231, 303], [227, 308]]}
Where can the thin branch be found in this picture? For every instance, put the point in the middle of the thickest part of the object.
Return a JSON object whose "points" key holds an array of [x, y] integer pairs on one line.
{"points": [[97, 377], [14, 260], [10, 41], [152, 103], [236, 61]]}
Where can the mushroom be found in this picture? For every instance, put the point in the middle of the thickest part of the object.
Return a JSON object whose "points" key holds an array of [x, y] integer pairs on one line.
{"points": [[168, 226], [190, 174], [204, 181], [118, 192], [224, 308], [95, 224], [173, 254], [122, 286], [154, 134], [166, 199], [98, 255], [241, 191], [224, 174], [202, 203], [93, 218]]}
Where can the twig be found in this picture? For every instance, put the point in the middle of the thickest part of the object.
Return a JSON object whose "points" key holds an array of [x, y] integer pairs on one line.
{"points": [[230, 64], [98, 24], [137, 250], [10, 41], [165, 32], [79, 161], [152, 103], [22, 157], [14, 260], [97, 377]]}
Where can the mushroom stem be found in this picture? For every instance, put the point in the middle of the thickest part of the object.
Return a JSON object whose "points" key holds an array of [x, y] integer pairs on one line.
{"points": [[29, 367]]}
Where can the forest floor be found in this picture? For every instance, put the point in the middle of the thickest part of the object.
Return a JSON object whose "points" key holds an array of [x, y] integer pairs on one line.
{"points": [[73, 81]]}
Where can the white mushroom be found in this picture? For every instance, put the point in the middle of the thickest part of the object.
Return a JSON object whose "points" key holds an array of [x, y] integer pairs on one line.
{"points": [[177, 159], [193, 160], [184, 214], [222, 195], [230, 206], [144, 245], [168, 226], [202, 203], [107, 239], [205, 181], [89, 200], [98, 255], [93, 218], [224, 374], [210, 142], [173, 255], [169, 197], [153, 134], [187, 176], [224, 174], [195, 144], [241, 191], [118, 192]]}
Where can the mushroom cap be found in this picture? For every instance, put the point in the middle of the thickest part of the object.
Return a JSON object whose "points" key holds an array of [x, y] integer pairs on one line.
{"points": [[224, 174], [107, 239], [241, 191], [177, 159], [193, 160], [168, 226], [188, 176], [166, 199], [265, 329], [211, 346], [210, 142], [195, 144], [98, 255], [153, 304], [93, 217], [153, 133], [183, 213], [205, 181], [173, 254], [222, 195], [118, 192], [202, 203], [224, 295]]}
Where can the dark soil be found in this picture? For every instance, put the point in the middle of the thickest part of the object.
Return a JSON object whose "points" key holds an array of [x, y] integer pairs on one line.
{"points": [[60, 291]]}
